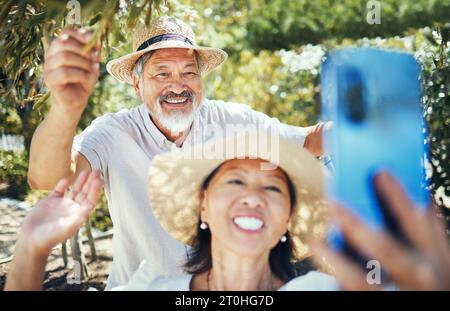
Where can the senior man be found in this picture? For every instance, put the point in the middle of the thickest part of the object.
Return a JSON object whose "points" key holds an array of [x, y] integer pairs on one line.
{"points": [[165, 68]]}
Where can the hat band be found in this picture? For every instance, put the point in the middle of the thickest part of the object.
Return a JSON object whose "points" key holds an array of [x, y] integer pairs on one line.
{"points": [[164, 37]]}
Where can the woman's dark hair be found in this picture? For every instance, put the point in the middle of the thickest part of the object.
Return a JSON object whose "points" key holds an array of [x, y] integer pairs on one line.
{"points": [[280, 258]]}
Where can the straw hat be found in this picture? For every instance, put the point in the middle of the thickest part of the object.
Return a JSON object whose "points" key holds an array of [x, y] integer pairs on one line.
{"points": [[175, 180], [165, 32]]}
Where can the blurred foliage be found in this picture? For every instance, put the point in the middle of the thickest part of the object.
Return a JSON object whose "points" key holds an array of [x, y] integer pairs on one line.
{"points": [[26, 29], [434, 55], [268, 82], [279, 24], [9, 120], [283, 24], [13, 174], [100, 217], [275, 49]]}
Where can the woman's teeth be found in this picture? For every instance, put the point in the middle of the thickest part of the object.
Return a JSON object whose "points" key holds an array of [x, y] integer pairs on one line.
{"points": [[248, 223]]}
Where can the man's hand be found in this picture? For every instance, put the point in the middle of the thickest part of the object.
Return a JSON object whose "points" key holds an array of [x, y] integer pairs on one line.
{"points": [[70, 72], [425, 265], [314, 137]]}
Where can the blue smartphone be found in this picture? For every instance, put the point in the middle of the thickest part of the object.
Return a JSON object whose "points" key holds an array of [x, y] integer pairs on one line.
{"points": [[373, 97]]}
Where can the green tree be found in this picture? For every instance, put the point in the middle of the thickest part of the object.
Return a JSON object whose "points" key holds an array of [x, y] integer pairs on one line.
{"points": [[435, 59], [266, 42]]}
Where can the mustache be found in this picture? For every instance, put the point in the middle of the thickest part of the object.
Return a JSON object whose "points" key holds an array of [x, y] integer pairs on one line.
{"points": [[170, 95]]}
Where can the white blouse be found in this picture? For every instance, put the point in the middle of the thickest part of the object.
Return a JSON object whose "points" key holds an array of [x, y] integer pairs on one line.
{"points": [[147, 279]]}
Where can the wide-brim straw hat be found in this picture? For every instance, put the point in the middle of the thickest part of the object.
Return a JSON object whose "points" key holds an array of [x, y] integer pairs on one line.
{"points": [[165, 32], [176, 178]]}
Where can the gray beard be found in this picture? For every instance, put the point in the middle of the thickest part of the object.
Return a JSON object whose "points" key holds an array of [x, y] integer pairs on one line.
{"points": [[176, 121]]}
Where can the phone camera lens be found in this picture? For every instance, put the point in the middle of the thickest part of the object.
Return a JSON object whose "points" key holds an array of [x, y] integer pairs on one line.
{"points": [[351, 87]]}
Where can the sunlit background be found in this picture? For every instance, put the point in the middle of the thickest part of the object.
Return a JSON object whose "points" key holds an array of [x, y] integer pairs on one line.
{"points": [[275, 50]]}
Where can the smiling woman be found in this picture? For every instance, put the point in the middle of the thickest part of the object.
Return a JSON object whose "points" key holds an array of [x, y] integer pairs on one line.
{"points": [[230, 177], [244, 222]]}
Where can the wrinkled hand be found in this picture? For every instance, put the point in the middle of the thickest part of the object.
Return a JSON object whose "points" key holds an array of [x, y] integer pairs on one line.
{"points": [[56, 218], [70, 72], [424, 265], [314, 137]]}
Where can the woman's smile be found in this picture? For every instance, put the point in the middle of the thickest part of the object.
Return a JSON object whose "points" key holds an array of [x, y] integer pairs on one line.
{"points": [[248, 223]]}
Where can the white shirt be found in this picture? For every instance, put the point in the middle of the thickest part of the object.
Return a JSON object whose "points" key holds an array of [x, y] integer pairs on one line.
{"points": [[146, 278], [121, 145]]}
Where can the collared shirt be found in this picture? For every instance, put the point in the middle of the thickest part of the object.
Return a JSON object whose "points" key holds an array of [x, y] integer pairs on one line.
{"points": [[122, 145]]}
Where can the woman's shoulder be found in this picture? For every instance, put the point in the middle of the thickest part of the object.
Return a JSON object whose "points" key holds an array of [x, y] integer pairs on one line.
{"points": [[147, 278], [312, 281]]}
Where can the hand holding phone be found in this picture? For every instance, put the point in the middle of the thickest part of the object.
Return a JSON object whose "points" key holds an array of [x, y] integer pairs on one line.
{"points": [[373, 97]]}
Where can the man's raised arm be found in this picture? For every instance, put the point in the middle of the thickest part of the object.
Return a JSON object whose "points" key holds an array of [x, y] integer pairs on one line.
{"points": [[70, 73]]}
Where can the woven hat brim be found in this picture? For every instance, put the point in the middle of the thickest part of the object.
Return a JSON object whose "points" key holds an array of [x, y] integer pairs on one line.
{"points": [[175, 181], [121, 68]]}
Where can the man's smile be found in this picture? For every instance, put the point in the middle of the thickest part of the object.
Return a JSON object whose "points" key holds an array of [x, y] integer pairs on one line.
{"points": [[174, 103]]}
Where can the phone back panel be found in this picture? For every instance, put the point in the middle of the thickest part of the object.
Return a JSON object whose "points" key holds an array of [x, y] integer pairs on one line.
{"points": [[373, 96]]}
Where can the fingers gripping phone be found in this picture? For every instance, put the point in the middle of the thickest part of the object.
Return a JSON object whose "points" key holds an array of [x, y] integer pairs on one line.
{"points": [[373, 97]]}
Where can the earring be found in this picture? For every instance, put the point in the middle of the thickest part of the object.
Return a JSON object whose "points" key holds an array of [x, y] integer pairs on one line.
{"points": [[203, 225], [283, 238]]}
